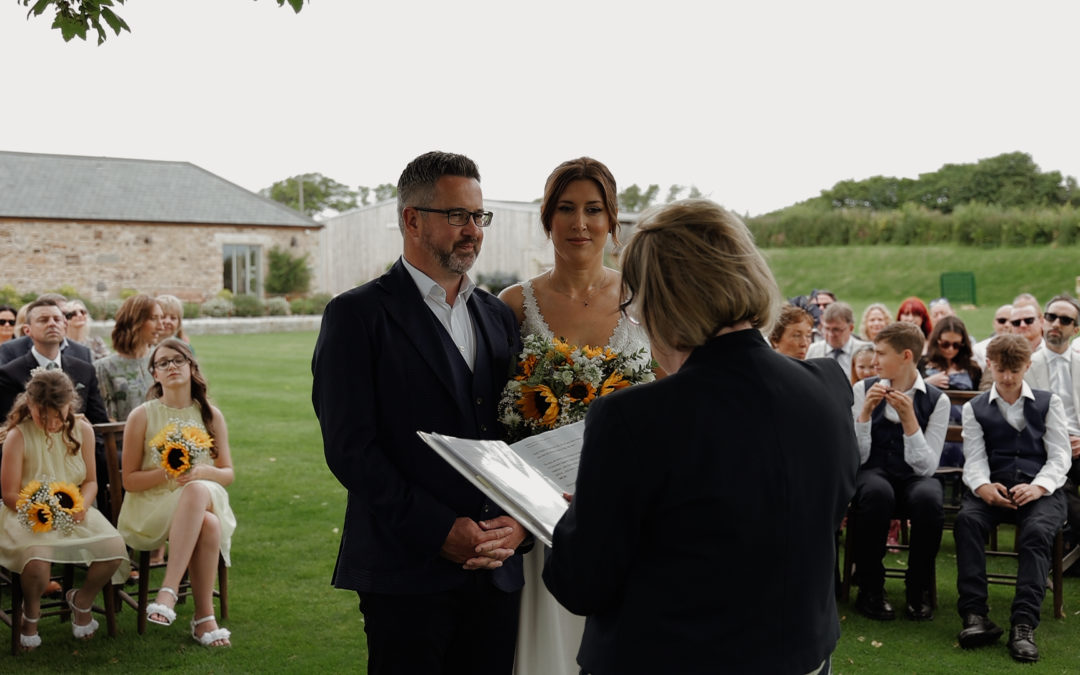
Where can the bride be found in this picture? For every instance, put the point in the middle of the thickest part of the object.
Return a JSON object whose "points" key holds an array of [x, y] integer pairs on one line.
{"points": [[577, 300]]}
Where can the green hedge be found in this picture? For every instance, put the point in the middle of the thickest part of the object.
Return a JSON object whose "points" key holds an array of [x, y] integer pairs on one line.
{"points": [[969, 225]]}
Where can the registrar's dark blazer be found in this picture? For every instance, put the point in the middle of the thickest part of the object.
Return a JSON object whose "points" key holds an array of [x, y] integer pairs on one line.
{"points": [[381, 373], [701, 535]]}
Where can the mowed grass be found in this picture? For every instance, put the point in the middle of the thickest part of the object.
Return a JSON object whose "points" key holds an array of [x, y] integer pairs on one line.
{"points": [[283, 612]]}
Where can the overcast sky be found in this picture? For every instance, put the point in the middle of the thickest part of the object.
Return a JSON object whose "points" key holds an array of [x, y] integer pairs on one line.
{"points": [[760, 104]]}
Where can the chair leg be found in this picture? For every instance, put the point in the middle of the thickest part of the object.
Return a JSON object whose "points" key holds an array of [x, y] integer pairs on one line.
{"points": [[144, 590], [1058, 576], [223, 588], [16, 612], [849, 565], [108, 594]]}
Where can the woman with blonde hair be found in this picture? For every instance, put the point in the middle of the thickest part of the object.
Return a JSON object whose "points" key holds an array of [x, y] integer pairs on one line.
{"points": [[172, 318], [675, 472], [78, 328], [124, 377], [875, 317]]}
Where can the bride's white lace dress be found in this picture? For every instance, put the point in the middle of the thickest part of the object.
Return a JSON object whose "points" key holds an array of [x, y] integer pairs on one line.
{"points": [[548, 635]]}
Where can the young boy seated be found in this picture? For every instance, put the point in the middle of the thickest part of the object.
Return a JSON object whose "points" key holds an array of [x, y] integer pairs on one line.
{"points": [[900, 423], [1016, 454]]}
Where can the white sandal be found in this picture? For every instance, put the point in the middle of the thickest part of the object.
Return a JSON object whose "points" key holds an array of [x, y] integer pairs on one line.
{"points": [[28, 642], [208, 638], [157, 608], [80, 631]]}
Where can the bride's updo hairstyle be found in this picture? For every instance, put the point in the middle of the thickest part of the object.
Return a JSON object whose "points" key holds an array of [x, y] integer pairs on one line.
{"points": [[692, 268], [582, 168]]}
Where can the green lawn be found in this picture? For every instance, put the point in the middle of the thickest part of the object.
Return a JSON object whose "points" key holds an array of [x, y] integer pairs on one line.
{"points": [[286, 617]]}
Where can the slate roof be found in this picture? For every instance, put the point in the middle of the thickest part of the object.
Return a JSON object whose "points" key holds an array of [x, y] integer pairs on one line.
{"points": [[69, 187]]}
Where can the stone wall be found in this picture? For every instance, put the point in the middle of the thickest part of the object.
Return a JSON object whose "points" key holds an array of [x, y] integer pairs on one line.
{"points": [[100, 259]]}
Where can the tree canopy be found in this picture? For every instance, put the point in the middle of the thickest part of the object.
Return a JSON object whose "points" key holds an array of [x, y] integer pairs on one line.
{"points": [[1010, 179], [320, 194], [75, 18]]}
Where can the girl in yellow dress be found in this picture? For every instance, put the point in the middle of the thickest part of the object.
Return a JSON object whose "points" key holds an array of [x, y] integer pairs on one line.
{"points": [[176, 466], [48, 479]]}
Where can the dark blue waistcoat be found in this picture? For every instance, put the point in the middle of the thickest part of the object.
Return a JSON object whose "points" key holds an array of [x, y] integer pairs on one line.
{"points": [[1014, 456], [473, 387], [887, 438]]}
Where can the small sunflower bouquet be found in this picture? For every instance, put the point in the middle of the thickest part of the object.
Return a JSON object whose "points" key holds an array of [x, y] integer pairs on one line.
{"points": [[45, 505], [555, 382], [179, 445]]}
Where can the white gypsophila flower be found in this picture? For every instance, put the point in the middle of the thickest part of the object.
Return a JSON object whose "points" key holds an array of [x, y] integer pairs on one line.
{"points": [[567, 376], [591, 373]]}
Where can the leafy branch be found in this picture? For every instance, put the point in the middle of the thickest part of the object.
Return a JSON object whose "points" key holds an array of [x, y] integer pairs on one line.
{"points": [[75, 18]]}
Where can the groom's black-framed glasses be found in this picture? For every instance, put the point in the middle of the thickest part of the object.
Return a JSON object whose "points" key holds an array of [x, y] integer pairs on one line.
{"points": [[460, 217]]}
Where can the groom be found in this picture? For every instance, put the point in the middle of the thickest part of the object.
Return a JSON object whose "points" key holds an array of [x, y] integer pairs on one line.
{"points": [[422, 349]]}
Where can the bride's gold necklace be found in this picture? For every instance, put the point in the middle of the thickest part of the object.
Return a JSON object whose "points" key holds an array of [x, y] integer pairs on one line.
{"points": [[588, 293]]}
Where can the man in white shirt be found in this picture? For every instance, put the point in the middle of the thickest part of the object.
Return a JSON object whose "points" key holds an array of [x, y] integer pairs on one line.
{"points": [[1056, 368], [837, 324], [1001, 327], [1016, 454], [1026, 320]]}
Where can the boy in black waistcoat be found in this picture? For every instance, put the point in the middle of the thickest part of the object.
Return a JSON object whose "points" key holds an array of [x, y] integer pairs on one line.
{"points": [[1016, 455], [900, 423]]}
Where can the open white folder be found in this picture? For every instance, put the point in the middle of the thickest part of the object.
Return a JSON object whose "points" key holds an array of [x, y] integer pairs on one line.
{"points": [[527, 479]]}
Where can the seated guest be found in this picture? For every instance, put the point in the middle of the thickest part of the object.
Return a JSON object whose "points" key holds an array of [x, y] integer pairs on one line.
{"points": [[939, 309], [948, 364], [1056, 368], [1026, 321], [7, 323], [862, 363], [820, 299], [912, 310], [125, 376], [900, 422], [46, 335], [1001, 327], [793, 332], [644, 551], [1016, 455], [875, 317], [838, 324], [78, 328], [172, 318], [13, 349], [21, 328]]}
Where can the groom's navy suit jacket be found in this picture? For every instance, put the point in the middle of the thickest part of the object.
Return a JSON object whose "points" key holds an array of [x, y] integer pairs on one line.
{"points": [[382, 372]]}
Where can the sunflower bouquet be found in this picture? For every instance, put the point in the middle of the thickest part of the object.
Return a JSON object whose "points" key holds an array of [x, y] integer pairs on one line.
{"points": [[179, 446], [555, 382], [47, 504]]}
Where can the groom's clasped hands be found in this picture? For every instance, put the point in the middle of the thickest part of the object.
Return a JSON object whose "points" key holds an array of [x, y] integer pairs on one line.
{"points": [[482, 545]]}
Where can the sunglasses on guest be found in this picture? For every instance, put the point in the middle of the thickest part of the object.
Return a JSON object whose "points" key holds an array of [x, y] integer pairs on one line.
{"points": [[7, 322], [946, 344], [1001, 321], [74, 312], [1065, 320], [1027, 319]]}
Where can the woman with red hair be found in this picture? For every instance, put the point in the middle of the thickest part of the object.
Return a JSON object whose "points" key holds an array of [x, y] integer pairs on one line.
{"points": [[913, 310]]}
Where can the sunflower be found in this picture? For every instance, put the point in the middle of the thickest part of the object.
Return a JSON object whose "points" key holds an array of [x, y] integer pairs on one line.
{"points": [[592, 352], [197, 437], [526, 366], [159, 439], [614, 382], [41, 519], [539, 404], [27, 493], [563, 347], [581, 391], [68, 496], [175, 459]]}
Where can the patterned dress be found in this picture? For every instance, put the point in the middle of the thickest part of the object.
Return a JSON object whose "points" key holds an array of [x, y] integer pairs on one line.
{"points": [[46, 458], [548, 635], [146, 516], [124, 382]]}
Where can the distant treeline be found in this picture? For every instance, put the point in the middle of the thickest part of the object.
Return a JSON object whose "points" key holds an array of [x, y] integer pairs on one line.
{"points": [[1000, 201]]}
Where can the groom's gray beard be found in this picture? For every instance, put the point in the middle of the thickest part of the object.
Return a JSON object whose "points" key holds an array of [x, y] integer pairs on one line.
{"points": [[453, 260]]}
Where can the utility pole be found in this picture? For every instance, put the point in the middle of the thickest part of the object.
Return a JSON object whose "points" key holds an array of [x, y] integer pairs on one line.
{"points": [[300, 188]]}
